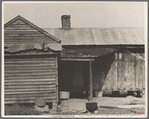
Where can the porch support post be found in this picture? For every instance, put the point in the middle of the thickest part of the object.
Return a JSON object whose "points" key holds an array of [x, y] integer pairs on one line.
{"points": [[91, 81]]}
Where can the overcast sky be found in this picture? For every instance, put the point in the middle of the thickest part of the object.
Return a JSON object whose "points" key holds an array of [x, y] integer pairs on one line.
{"points": [[99, 14]]}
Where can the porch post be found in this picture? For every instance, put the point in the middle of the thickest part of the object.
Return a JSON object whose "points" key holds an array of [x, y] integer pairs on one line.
{"points": [[91, 83]]}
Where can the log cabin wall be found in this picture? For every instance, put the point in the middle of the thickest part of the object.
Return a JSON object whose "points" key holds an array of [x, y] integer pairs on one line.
{"points": [[119, 72], [30, 77]]}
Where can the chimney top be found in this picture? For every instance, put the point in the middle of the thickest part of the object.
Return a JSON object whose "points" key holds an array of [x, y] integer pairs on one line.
{"points": [[66, 22], [65, 16]]}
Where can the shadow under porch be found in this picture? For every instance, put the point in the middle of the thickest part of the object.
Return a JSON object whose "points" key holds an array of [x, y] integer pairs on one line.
{"points": [[82, 77], [74, 78]]}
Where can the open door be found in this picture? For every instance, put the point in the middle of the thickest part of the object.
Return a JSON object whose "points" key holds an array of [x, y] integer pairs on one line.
{"points": [[74, 77], [80, 78]]}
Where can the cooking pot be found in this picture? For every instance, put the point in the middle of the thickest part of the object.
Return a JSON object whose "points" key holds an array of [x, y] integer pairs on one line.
{"points": [[91, 106]]}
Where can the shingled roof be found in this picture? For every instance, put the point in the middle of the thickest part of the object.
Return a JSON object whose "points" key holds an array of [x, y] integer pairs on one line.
{"points": [[99, 36]]}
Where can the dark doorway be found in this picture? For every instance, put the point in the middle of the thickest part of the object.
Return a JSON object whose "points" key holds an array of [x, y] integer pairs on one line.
{"points": [[74, 77]]}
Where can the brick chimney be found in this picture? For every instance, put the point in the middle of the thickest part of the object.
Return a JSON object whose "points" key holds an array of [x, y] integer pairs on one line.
{"points": [[66, 22]]}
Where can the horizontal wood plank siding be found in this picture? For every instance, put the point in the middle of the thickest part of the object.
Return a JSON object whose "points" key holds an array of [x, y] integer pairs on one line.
{"points": [[31, 95], [20, 32], [30, 78], [27, 101]]}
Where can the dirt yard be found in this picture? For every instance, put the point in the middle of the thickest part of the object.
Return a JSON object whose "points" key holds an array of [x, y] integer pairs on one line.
{"points": [[106, 106], [103, 111]]}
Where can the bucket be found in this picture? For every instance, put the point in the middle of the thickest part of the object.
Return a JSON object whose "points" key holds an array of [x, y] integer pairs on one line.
{"points": [[91, 106], [64, 95]]}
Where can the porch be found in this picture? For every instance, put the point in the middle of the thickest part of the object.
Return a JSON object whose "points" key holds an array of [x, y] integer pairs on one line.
{"points": [[78, 73], [86, 72]]}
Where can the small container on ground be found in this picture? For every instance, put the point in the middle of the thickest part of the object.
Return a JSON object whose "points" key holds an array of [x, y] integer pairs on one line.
{"points": [[64, 95], [91, 106]]}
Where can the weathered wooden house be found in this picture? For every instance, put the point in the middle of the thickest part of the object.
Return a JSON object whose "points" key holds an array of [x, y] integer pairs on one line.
{"points": [[31, 62], [87, 60], [110, 60]]}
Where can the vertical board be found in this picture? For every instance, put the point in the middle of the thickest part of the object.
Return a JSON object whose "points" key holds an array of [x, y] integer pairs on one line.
{"points": [[133, 71], [129, 71], [140, 72], [125, 74], [143, 68], [115, 88], [122, 75]]}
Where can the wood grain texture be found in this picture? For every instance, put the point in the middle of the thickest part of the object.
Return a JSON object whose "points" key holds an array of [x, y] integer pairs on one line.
{"points": [[116, 76], [29, 83], [30, 77], [140, 73], [31, 80], [40, 59], [29, 71], [30, 62], [48, 94], [30, 90], [19, 27], [28, 65], [30, 86], [20, 32], [19, 93], [16, 68], [124, 74], [25, 101], [28, 98], [19, 22]]}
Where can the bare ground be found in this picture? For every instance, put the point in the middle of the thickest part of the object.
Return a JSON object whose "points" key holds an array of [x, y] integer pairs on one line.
{"points": [[106, 106], [103, 111]]}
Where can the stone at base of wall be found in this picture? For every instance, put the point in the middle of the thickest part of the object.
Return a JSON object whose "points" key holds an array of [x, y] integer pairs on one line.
{"points": [[64, 105], [54, 106], [42, 109]]}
